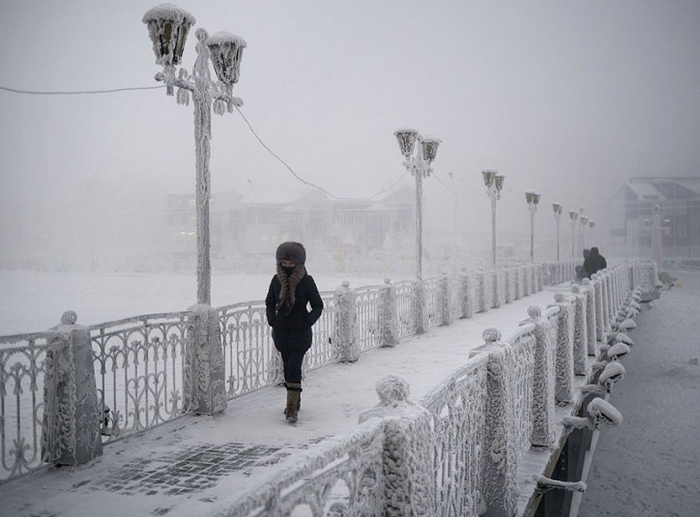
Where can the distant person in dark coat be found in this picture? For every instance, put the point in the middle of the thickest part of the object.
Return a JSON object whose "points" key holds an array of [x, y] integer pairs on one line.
{"points": [[594, 262], [291, 291]]}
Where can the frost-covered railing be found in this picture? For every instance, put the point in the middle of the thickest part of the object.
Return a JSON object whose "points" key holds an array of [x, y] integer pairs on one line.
{"points": [[151, 369], [140, 371], [367, 300], [457, 451], [22, 370]]}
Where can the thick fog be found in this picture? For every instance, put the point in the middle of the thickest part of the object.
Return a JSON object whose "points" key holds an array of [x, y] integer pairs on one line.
{"points": [[568, 98]]}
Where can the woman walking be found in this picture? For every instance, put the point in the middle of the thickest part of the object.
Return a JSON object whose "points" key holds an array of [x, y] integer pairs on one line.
{"points": [[291, 291]]}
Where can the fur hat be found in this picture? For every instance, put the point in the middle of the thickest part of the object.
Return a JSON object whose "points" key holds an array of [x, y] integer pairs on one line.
{"points": [[293, 251]]}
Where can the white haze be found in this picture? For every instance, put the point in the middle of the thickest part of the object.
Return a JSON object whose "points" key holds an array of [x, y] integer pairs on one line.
{"points": [[570, 98]]}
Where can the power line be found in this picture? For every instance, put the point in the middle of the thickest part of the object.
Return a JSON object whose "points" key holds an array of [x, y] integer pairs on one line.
{"points": [[308, 183], [288, 167], [441, 183], [83, 92]]}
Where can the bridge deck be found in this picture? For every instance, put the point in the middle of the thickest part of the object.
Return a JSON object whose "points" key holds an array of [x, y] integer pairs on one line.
{"points": [[184, 467]]}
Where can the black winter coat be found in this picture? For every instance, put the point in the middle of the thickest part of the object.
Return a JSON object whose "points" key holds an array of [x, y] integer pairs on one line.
{"points": [[594, 262], [299, 318]]}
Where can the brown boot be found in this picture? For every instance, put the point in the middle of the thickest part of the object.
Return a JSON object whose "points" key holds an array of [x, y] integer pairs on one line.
{"points": [[293, 401], [291, 410]]}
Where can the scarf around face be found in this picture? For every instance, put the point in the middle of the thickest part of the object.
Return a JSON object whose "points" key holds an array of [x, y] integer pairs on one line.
{"points": [[289, 286]]}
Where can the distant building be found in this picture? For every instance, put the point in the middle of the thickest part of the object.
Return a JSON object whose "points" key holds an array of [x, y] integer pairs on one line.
{"points": [[631, 209], [250, 226]]}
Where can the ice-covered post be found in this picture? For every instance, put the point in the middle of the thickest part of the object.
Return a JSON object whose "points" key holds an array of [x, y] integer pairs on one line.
{"points": [[388, 316], [533, 198], [564, 360], [591, 311], [481, 289], [444, 300], [467, 308], [496, 289], [518, 283], [508, 286], [543, 380], [72, 410], [168, 27], [418, 307], [656, 250], [409, 488], [418, 164], [557, 208], [345, 328], [499, 455], [205, 385], [573, 216], [583, 224], [580, 331], [494, 185], [599, 324]]}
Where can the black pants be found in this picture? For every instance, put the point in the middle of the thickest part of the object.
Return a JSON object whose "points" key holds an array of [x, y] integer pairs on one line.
{"points": [[293, 346]]}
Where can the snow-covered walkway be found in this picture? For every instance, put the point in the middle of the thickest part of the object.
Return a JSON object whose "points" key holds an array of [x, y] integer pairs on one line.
{"points": [[184, 467]]}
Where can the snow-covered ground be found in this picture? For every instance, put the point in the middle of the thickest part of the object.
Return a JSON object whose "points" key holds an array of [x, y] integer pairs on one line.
{"points": [[33, 301], [649, 466]]}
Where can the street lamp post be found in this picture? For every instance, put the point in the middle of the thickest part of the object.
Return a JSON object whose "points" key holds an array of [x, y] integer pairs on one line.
{"points": [[557, 208], [494, 185], [533, 199], [582, 230], [418, 163], [168, 27], [573, 215]]}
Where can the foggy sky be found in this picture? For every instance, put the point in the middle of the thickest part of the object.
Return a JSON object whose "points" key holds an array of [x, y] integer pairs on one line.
{"points": [[569, 98]]}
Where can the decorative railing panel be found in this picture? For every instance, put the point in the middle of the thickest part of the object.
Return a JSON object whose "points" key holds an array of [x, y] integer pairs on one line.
{"points": [[432, 302], [369, 327], [344, 476], [250, 359], [323, 351], [522, 370], [139, 369], [404, 305], [22, 372], [458, 407], [456, 294]]}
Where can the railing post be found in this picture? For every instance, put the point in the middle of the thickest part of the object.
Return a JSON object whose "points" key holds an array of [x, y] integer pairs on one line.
{"points": [[345, 329], [580, 331], [444, 300], [506, 277], [518, 282], [499, 455], [599, 326], [419, 312], [542, 385], [205, 386], [591, 304], [564, 360], [407, 451], [467, 306], [388, 316], [496, 291], [481, 288], [72, 410]]}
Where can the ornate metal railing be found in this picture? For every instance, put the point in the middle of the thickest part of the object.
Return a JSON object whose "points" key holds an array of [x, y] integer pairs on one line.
{"points": [[343, 477], [457, 407], [367, 306], [521, 372], [404, 308], [22, 371], [432, 302], [140, 371], [250, 359], [323, 351]]}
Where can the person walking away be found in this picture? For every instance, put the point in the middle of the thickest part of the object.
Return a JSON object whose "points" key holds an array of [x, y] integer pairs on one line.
{"points": [[594, 262], [292, 290]]}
